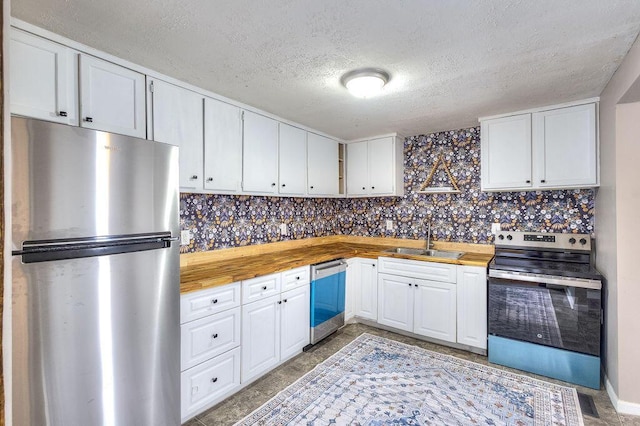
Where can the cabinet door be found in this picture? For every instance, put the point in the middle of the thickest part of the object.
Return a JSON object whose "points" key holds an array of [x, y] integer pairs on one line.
{"points": [[292, 162], [44, 79], [565, 147], [395, 301], [472, 309], [294, 325], [506, 153], [435, 310], [260, 337], [352, 288], [357, 168], [178, 120], [367, 299], [112, 98], [381, 166], [222, 146], [259, 154], [208, 383], [322, 165]]}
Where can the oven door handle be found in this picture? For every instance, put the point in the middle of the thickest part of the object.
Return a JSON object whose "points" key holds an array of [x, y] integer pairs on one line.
{"points": [[546, 279]]}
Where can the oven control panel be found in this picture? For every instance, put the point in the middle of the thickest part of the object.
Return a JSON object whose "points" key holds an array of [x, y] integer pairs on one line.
{"points": [[573, 242]]}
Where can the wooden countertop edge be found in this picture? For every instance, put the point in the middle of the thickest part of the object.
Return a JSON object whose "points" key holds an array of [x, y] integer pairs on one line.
{"points": [[216, 269]]}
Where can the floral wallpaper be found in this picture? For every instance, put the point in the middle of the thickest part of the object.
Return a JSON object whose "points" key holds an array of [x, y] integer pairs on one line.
{"points": [[222, 221]]}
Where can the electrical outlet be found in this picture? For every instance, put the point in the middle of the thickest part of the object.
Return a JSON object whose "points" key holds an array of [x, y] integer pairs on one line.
{"points": [[389, 225], [495, 228], [185, 237], [283, 229]]}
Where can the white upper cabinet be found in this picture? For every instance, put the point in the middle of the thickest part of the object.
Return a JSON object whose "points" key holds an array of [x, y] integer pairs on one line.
{"points": [[506, 153], [112, 98], [565, 150], [44, 79], [322, 166], [292, 151], [357, 168], [178, 120], [552, 148], [222, 146], [375, 167], [260, 154]]}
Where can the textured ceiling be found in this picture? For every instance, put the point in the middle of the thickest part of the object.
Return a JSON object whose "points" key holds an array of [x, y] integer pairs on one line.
{"points": [[450, 61]]}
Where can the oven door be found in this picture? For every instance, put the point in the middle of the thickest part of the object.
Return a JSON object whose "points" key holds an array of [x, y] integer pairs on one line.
{"points": [[551, 311]]}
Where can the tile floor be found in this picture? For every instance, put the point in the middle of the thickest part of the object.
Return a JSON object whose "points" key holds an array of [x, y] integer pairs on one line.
{"points": [[244, 402]]}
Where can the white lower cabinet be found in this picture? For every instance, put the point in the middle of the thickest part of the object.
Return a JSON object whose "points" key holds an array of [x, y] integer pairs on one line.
{"points": [[366, 299], [208, 383], [352, 288], [472, 306], [294, 321], [260, 337], [419, 306]]}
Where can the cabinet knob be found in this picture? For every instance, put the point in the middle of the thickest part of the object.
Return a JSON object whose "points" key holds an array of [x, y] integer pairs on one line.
{"points": [[264, 287], [214, 301], [542, 181], [215, 336], [410, 284], [297, 278], [373, 187], [273, 184], [528, 181], [311, 186], [373, 266], [209, 179], [363, 188], [215, 379], [285, 300], [62, 113], [88, 119], [279, 302], [194, 177], [283, 185]]}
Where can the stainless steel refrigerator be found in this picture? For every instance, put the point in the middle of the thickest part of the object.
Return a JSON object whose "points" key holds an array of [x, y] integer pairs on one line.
{"points": [[95, 267]]}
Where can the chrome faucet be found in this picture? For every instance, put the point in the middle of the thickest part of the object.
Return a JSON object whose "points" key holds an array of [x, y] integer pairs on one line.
{"points": [[428, 234]]}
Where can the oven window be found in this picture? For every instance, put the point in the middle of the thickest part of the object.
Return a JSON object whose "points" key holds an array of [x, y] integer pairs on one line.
{"points": [[559, 316]]}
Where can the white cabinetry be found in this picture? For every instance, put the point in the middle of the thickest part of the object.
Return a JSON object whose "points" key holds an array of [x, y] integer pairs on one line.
{"points": [[375, 167], [222, 147], [210, 352], [44, 79], [366, 300], [275, 326], [424, 307], [352, 288], [178, 119], [550, 148], [259, 154], [322, 166], [472, 309], [112, 98], [292, 164]]}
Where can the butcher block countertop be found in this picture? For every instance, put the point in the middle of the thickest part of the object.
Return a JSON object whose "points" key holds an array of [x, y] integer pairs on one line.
{"points": [[219, 267]]}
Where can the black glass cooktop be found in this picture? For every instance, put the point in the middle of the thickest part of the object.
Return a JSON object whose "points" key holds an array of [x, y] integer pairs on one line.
{"points": [[541, 265]]}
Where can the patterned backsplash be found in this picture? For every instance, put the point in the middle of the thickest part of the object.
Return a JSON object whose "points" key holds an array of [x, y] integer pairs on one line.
{"points": [[222, 221]]}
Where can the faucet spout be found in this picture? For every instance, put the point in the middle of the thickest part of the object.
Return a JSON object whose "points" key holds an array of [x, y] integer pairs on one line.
{"points": [[428, 234]]}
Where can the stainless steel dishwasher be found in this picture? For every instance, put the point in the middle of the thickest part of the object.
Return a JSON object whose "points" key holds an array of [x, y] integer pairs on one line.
{"points": [[327, 298]]}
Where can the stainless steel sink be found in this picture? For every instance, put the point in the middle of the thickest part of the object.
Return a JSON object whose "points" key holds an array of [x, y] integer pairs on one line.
{"points": [[422, 252]]}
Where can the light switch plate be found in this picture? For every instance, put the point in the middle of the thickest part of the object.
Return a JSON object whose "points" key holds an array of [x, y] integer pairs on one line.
{"points": [[495, 228], [185, 237], [389, 225], [283, 229]]}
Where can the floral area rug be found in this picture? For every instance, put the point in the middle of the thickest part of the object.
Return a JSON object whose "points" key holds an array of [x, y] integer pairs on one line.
{"points": [[377, 381]]}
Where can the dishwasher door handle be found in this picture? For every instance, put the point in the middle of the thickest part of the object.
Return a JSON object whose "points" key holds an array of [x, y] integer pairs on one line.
{"points": [[327, 269]]}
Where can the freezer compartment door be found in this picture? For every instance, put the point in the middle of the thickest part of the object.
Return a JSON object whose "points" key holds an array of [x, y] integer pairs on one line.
{"points": [[69, 182], [96, 340]]}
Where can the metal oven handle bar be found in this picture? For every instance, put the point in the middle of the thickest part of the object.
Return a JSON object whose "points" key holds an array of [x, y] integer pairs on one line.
{"points": [[546, 279], [322, 270]]}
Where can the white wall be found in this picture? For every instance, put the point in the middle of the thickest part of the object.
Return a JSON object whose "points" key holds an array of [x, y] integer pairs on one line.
{"points": [[615, 208]]}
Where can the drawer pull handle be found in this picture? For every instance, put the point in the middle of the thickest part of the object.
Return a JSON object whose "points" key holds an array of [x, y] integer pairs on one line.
{"points": [[62, 113], [210, 179], [297, 278], [88, 119], [215, 379], [264, 287], [215, 336], [214, 301]]}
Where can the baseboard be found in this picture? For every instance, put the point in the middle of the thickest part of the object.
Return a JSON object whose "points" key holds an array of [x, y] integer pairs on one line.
{"points": [[622, 407]]}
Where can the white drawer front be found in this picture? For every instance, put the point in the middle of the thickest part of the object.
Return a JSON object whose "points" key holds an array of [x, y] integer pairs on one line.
{"points": [[260, 287], [296, 278], [210, 336], [201, 303], [418, 269], [208, 383]]}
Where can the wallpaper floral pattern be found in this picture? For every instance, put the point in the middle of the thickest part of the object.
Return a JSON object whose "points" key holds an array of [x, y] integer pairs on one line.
{"points": [[222, 221]]}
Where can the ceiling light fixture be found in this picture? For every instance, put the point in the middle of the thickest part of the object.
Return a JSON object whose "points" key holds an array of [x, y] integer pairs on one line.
{"points": [[365, 82]]}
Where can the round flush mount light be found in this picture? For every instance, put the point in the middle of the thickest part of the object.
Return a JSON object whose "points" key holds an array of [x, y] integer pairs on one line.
{"points": [[365, 82]]}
